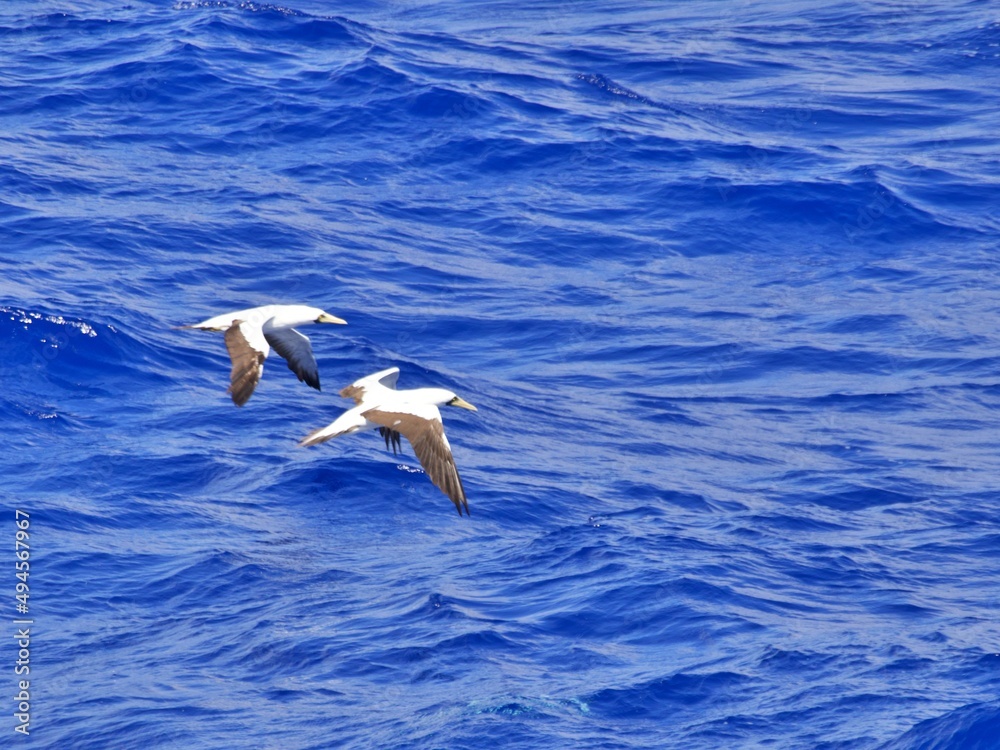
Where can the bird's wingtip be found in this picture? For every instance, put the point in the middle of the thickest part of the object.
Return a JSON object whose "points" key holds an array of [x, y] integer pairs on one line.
{"points": [[313, 438]]}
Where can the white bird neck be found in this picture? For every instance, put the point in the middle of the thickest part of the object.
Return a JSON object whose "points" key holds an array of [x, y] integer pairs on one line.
{"points": [[289, 316], [436, 396]]}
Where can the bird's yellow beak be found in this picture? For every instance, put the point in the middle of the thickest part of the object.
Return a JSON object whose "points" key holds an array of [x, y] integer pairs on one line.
{"points": [[462, 404], [327, 318]]}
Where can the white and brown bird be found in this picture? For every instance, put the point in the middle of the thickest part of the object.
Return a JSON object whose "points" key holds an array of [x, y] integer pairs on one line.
{"points": [[252, 333], [411, 413]]}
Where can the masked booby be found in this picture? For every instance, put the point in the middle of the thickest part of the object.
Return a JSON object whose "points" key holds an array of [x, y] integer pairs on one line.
{"points": [[411, 413], [252, 333]]}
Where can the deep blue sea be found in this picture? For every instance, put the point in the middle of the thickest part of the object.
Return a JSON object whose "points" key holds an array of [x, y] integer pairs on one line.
{"points": [[721, 277]]}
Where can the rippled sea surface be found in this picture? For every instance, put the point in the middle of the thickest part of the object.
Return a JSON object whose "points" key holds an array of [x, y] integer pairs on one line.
{"points": [[722, 279]]}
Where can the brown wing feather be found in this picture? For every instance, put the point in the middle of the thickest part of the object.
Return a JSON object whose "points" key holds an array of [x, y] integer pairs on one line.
{"points": [[353, 391], [429, 445], [248, 364]]}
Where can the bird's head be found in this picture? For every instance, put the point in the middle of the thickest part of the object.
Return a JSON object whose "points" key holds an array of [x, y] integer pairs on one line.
{"points": [[325, 317], [460, 403]]}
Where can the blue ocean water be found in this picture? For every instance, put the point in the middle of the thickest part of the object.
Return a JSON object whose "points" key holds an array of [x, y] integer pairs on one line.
{"points": [[721, 278]]}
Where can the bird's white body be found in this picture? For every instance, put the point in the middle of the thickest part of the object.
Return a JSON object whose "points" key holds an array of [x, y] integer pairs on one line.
{"points": [[421, 402], [267, 317]]}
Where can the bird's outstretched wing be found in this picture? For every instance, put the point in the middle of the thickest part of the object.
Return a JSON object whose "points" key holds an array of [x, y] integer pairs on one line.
{"points": [[357, 389], [425, 432], [297, 351], [247, 349]]}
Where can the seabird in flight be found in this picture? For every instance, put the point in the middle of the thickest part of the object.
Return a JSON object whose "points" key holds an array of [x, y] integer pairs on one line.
{"points": [[252, 333], [411, 413]]}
